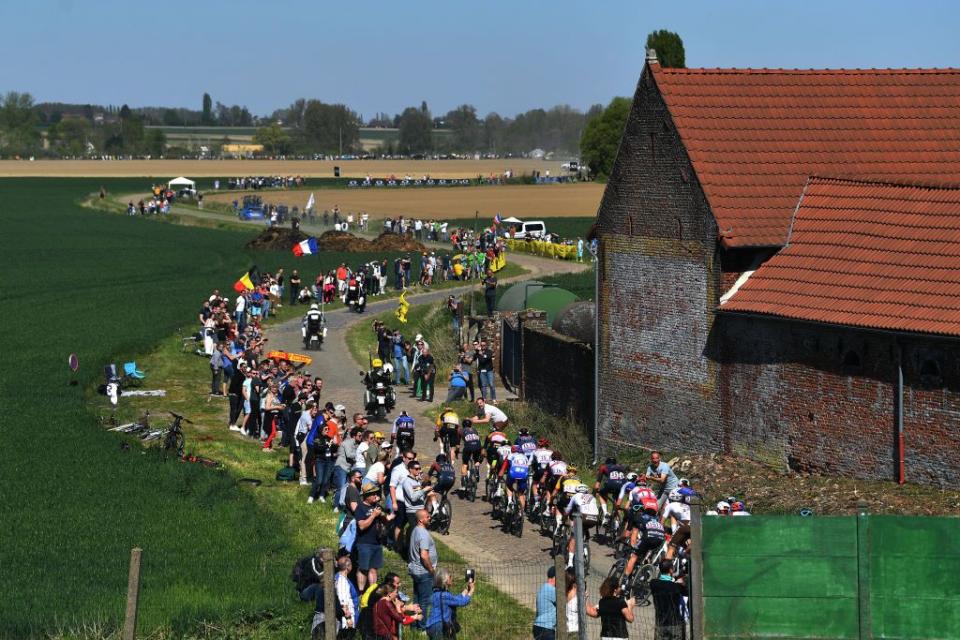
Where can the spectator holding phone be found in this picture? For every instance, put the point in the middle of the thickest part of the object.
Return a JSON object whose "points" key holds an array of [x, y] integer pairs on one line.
{"points": [[442, 621]]}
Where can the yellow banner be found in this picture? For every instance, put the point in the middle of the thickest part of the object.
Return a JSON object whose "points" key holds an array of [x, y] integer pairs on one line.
{"points": [[291, 357], [402, 308]]}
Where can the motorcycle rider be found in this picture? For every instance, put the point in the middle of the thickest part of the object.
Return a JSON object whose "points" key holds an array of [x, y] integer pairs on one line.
{"points": [[312, 324], [376, 375], [355, 295]]}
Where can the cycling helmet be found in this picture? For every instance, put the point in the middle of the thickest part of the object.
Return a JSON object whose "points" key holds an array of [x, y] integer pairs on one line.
{"points": [[723, 506], [632, 476], [449, 417], [610, 460], [467, 422], [684, 482], [731, 499], [524, 431], [377, 363], [582, 488], [675, 496], [387, 368], [543, 442], [686, 491], [314, 307], [556, 455], [441, 458], [514, 449], [571, 469], [651, 506]]}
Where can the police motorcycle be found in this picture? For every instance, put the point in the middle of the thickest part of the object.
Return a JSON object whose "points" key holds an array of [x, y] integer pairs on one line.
{"points": [[313, 328], [356, 295], [379, 398]]}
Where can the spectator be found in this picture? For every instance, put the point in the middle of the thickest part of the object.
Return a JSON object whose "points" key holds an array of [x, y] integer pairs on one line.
{"points": [[458, 385], [422, 562], [388, 613], [465, 359], [573, 617], [235, 391], [615, 611], [442, 620], [216, 367], [668, 594], [309, 414], [376, 472], [484, 359], [348, 597], [453, 305], [660, 471], [322, 439], [397, 504], [401, 368], [273, 409], [545, 623], [346, 457], [349, 499], [295, 284], [428, 373], [366, 441], [370, 523], [490, 291]]}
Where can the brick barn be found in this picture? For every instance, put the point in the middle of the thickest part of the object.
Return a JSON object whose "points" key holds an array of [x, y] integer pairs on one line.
{"points": [[780, 270]]}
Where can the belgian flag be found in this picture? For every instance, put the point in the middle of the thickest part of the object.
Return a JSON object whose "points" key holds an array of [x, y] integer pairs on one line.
{"points": [[248, 280]]}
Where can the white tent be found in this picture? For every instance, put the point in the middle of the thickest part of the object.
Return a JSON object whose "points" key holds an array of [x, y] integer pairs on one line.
{"points": [[182, 182], [511, 220]]}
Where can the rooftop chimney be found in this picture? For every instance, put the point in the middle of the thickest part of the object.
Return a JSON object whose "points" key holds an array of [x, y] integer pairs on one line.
{"points": [[651, 56]]}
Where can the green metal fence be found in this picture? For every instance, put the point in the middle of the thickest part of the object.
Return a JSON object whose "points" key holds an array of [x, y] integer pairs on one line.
{"points": [[831, 577]]}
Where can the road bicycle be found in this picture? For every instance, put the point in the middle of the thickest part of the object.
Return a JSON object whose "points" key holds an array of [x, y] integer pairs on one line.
{"points": [[513, 518], [442, 516], [470, 483]]}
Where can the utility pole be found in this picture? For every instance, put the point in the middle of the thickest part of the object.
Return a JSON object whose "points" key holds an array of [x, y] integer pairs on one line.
{"points": [[341, 141]]}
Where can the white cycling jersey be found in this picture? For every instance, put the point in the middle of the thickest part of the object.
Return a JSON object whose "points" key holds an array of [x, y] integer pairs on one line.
{"points": [[679, 511], [558, 468], [543, 457], [504, 451], [585, 503]]}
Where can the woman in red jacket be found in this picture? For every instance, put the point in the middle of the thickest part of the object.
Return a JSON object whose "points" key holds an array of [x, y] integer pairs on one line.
{"points": [[387, 617]]}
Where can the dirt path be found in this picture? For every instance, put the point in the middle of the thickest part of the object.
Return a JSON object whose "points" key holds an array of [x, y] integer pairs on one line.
{"points": [[473, 534]]}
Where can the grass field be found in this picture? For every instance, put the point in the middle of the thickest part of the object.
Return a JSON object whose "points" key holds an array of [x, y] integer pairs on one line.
{"points": [[522, 201], [224, 168]]}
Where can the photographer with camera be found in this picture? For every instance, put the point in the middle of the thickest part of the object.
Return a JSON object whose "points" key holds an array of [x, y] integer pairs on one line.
{"points": [[442, 621]]}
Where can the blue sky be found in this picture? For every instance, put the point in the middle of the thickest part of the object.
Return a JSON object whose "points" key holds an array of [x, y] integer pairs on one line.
{"points": [[379, 56]]}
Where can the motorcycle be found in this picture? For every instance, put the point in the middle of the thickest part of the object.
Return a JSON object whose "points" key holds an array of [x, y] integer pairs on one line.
{"points": [[356, 298], [379, 399], [313, 339]]}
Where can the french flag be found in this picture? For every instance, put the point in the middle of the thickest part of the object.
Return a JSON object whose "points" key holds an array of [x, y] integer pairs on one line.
{"points": [[305, 248], [497, 219]]}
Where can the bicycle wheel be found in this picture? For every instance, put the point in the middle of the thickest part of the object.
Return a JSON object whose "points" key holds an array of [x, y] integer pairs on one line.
{"points": [[616, 571], [446, 516], [174, 443]]}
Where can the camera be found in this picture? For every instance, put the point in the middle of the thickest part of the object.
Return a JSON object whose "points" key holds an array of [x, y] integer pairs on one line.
{"points": [[471, 575]]}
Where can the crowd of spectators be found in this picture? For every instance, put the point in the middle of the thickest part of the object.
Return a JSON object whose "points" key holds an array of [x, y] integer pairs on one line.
{"points": [[266, 182]]}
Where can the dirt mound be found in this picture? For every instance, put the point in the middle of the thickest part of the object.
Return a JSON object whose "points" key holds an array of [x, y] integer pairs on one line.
{"points": [[276, 239], [340, 241]]}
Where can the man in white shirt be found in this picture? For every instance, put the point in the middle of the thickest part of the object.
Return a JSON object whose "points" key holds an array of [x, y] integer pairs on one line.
{"points": [[490, 414], [397, 502]]}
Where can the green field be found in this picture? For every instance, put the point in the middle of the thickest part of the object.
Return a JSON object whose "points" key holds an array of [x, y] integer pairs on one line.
{"points": [[110, 288]]}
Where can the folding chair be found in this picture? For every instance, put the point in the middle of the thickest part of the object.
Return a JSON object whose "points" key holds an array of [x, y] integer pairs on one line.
{"points": [[131, 375]]}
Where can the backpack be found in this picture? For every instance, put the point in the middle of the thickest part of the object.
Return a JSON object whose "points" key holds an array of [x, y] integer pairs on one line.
{"points": [[306, 571], [287, 474]]}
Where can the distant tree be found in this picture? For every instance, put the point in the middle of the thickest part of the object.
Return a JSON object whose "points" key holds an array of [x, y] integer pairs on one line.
{"points": [[669, 48], [155, 143], [18, 124], [274, 139], [416, 131], [465, 126], [601, 137], [69, 137], [206, 114], [125, 112], [171, 118], [492, 128], [328, 128]]}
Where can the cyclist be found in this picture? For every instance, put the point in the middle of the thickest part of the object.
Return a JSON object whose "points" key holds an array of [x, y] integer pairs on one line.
{"points": [[445, 476], [472, 448], [557, 469], [519, 470], [542, 457], [564, 489], [610, 480], [647, 535], [677, 510], [584, 502], [445, 430], [494, 440], [404, 432], [527, 444]]}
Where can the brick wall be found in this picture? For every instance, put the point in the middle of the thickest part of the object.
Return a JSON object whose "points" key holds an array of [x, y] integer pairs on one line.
{"points": [[659, 281], [821, 399], [558, 374]]}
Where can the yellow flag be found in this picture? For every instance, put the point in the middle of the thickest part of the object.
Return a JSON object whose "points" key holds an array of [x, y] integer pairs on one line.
{"points": [[402, 308]]}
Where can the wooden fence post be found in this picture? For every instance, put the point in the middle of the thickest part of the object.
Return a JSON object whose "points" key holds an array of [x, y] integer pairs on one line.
{"points": [[697, 628], [133, 595], [329, 595], [560, 566]]}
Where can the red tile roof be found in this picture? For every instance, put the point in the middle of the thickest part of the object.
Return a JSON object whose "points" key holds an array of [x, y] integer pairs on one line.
{"points": [[756, 135], [865, 254]]}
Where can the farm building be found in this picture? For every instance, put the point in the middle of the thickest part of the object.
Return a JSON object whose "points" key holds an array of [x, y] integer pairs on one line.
{"points": [[780, 270]]}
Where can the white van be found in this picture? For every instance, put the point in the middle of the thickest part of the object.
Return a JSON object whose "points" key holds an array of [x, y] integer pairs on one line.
{"points": [[531, 229]]}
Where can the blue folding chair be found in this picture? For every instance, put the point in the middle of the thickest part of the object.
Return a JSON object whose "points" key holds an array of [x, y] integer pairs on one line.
{"points": [[131, 375]]}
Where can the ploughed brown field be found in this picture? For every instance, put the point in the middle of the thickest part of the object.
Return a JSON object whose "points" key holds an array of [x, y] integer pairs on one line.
{"points": [[310, 168], [442, 203]]}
